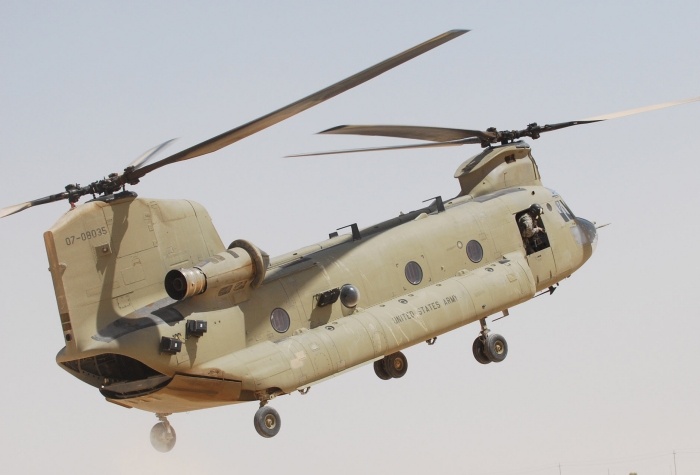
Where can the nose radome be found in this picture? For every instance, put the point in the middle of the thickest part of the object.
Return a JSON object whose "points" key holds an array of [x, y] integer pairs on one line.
{"points": [[590, 232]]}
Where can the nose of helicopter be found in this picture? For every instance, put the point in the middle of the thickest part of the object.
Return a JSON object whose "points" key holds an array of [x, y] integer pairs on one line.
{"points": [[590, 235]]}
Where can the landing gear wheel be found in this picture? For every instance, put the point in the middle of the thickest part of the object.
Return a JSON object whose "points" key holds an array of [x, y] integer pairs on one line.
{"points": [[163, 437], [267, 422], [478, 350], [396, 364], [495, 348], [380, 370]]}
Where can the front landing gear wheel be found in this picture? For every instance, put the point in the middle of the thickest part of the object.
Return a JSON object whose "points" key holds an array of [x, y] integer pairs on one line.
{"points": [[163, 437], [396, 364], [380, 370], [495, 348], [267, 422], [478, 350]]}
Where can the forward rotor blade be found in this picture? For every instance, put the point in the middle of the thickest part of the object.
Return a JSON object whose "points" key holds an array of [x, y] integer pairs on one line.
{"points": [[234, 135], [615, 115], [149, 154], [454, 143], [639, 110], [433, 134], [21, 207]]}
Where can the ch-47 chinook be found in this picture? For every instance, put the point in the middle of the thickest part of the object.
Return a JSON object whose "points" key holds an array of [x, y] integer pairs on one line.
{"points": [[158, 314]]}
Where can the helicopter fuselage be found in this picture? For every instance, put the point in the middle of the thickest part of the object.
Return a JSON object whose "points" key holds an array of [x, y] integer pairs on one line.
{"points": [[305, 316]]}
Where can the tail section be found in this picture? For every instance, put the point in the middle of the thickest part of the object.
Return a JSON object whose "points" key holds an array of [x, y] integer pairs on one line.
{"points": [[108, 259]]}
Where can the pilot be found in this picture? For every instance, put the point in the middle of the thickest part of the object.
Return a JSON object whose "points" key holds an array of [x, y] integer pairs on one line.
{"points": [[528, 226]]}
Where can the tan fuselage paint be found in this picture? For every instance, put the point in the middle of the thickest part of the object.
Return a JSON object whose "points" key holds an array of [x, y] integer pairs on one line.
{"points": [[241, 350]]}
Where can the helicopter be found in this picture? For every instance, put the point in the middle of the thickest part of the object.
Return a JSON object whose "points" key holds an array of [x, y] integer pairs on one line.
{"points": [[159, 314]]}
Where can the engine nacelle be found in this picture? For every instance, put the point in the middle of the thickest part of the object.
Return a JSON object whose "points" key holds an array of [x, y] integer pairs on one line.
{"points": [[241, 265]]}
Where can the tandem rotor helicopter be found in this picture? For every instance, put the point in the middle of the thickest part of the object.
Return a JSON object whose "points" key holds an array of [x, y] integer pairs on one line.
{"points": [[160, 315]]}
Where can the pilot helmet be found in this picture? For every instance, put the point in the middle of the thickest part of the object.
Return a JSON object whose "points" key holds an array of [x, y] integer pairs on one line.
{"points": [[536, 210]]}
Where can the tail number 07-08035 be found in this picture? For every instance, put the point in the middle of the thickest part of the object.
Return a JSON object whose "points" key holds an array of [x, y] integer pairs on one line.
{"points": [[87, 235]]}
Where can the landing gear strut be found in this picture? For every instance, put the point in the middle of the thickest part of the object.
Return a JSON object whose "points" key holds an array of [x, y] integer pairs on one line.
{"points": [[163, 435], [489, 347], [391, 366]]}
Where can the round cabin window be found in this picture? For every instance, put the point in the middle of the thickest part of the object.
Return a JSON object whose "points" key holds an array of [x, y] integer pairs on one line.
{"points": [[474, 251], [414, 274], [279, 319]]}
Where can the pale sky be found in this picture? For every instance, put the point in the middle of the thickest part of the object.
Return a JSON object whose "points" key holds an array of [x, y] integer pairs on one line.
{"points": [[603, 375]]}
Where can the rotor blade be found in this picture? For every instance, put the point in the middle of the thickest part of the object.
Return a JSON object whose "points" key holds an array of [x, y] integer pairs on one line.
{"points": [[234, 135], [454, 143], [433, 134], [149, 154], [21, 207], [615, 115], [639, 110], [14, 209]]}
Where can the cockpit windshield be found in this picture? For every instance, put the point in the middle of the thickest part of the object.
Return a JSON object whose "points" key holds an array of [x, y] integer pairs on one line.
{"points": [[564, 211]]}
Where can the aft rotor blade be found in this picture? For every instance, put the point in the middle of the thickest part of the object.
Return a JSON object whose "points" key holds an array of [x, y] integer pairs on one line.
{"points": [[252, 127], [454, 143], [14, 209], [147, 155], [433, 134], [21, 207]]}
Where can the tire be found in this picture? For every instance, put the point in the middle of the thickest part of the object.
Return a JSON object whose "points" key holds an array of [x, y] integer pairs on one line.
{"points": [[396, 364], [267, 422], [496, 348], [161, 440], [478, 350], [380, 370]]}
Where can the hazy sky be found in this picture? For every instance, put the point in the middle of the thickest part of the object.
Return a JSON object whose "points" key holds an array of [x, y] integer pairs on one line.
{"points": [[603, 375]]}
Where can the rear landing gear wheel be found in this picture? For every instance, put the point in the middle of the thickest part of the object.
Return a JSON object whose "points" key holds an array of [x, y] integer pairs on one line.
{"points": [[267, 422], [495, 348], [380, 370], [478, 350], [396, 364], [163, 436]]}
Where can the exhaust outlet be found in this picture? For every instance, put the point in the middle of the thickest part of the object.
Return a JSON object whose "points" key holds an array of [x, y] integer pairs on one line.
{"points": [[242, 266], [182, 284]]}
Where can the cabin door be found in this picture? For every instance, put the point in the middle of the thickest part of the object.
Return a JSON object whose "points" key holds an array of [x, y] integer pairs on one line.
{"points": [[542, 266]]}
